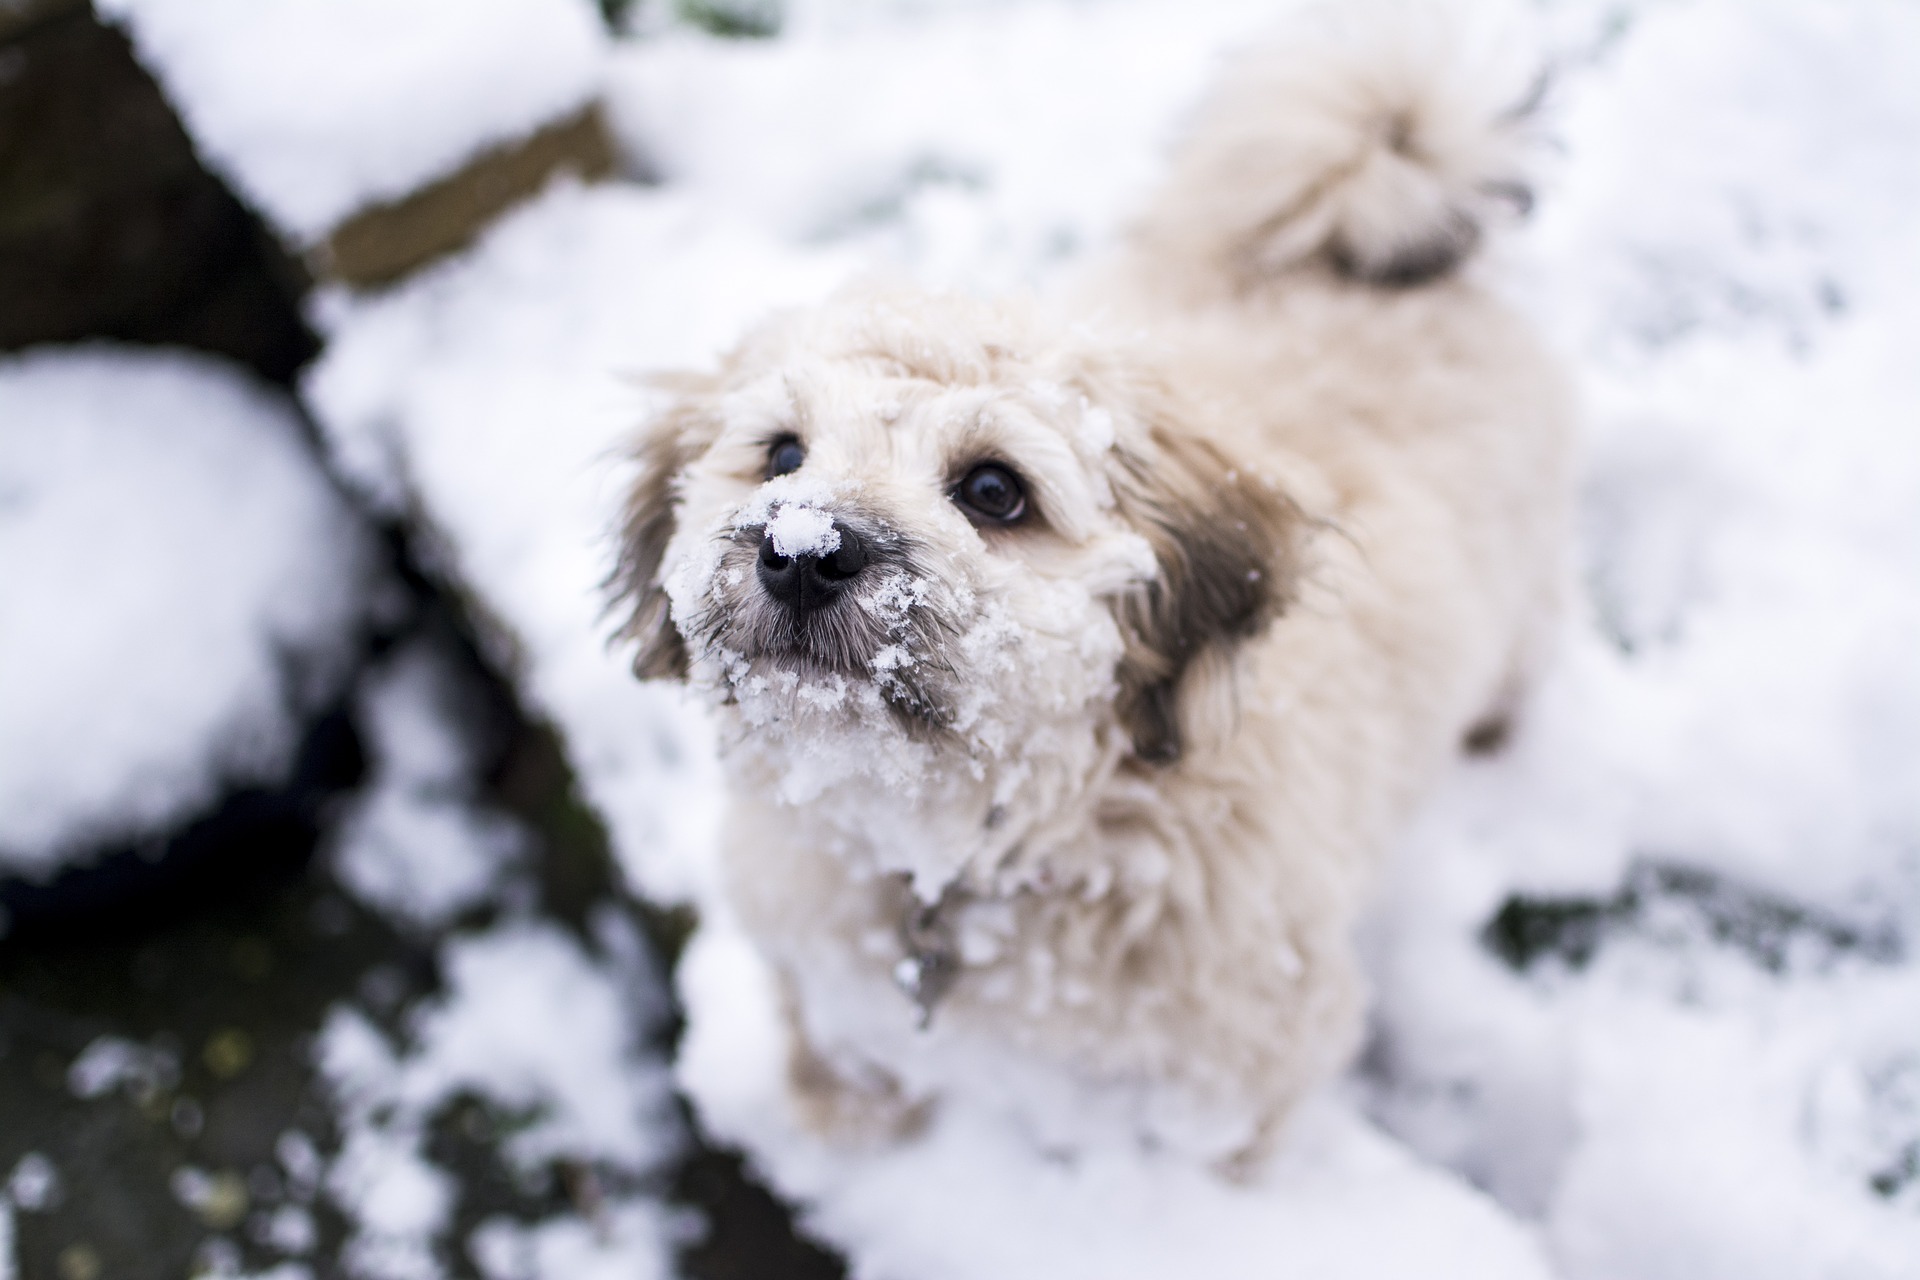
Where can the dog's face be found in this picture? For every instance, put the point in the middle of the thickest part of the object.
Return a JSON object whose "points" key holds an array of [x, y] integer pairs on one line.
{"points": [[931, 547]]}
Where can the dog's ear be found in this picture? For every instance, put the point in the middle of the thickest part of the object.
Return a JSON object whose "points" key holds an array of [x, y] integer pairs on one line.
{"points": [[672, 439], [1228, 546]]}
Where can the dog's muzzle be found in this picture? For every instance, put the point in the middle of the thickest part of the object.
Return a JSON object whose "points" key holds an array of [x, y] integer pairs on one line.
{"points": [[806, 583]]}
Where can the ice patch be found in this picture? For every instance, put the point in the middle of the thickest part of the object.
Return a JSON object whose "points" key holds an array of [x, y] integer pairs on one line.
{"points": [[803, 531]]}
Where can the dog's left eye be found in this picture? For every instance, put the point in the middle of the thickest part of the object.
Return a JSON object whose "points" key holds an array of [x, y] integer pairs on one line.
{"points": [[991, 492], [784, 456]]}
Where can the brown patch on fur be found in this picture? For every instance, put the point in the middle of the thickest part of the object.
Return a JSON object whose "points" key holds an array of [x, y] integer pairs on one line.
{"points": [[871, 1111], [673, 439], [1488, 737], [1227, 544]]}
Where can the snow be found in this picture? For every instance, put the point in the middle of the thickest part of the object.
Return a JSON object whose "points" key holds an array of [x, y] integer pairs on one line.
{"points": [[799, 530], [34, 1185], [537, 1029], [624, 1245], [971, 1197], [184, 588], [416, 845], [314, 109], [546, 1030], [1719, 775], [113, 1062], [979, 145]]}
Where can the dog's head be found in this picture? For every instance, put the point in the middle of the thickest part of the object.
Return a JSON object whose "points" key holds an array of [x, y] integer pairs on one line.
{"points": [[950, 524]]}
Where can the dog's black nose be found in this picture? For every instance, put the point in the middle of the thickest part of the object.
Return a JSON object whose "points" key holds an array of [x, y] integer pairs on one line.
{"points": [[808, 582]]}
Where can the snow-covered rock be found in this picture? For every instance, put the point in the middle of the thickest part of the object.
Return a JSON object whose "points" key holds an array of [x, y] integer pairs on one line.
{"points": [[181, 587], [314, 109]]}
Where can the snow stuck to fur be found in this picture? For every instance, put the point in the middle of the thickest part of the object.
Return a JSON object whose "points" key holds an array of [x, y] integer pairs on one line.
{"points": [[317, 108], [1021, 668], [183, 588], [799, 530], [1717, 778]]}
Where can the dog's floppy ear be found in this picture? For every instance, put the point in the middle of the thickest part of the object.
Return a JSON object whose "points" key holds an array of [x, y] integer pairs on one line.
{"points": [[675, 437], [1228, 546]]}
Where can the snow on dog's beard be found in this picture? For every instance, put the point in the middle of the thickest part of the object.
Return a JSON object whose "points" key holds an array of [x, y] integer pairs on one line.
{"points": [[942, 569], [952, 701]]}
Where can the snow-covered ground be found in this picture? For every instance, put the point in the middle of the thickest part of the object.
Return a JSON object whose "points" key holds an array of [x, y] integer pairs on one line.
{"points": [[1714, 1070], [183, 589], [1645, 998], [546, 1033]]}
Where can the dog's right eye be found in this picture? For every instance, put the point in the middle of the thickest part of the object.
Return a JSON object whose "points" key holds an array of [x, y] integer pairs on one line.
{"points": [[991, 493], [784, 456]]}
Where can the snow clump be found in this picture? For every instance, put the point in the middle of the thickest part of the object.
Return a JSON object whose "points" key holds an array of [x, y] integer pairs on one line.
{"points": [[799, 530], [416, 846]]}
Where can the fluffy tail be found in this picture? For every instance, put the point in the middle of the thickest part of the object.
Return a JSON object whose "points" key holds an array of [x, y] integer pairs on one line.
{"points": [[1375, 138]]}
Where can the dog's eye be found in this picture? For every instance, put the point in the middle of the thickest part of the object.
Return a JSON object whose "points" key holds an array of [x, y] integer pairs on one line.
{"points": [[991, 492], [784, 456]]}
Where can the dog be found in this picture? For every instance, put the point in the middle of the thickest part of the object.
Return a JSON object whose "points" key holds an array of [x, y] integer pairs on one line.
{"points": [[1075, 661]]}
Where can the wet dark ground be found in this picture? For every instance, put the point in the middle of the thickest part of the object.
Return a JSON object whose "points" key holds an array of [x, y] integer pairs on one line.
{"points": [[206, 960], [217, 958]]}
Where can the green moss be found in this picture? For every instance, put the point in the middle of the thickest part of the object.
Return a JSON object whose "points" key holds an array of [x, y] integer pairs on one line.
{"points": [[734, 19]]}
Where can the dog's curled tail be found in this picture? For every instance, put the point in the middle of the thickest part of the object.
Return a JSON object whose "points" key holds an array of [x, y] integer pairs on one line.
{"points": [[1375, 138]]}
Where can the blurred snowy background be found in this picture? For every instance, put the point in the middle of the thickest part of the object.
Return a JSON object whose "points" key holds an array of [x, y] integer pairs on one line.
{"points": [[342, 866]]}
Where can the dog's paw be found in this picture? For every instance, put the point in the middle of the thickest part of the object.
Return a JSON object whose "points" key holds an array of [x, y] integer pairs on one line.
{"points": [[864, 1108]]}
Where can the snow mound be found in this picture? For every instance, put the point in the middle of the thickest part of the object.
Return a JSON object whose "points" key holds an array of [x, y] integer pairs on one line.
{"points": [[183, 589], [316, 108]]}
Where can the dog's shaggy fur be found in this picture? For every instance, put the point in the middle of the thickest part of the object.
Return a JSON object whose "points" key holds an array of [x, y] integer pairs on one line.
{"points": [[1076, 811]]}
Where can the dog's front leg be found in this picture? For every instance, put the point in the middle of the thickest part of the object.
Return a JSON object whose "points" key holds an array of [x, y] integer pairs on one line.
{"points": [[859, 1104]]}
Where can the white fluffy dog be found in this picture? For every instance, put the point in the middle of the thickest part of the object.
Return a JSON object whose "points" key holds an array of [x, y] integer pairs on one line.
{"points": [[1072, 675]]}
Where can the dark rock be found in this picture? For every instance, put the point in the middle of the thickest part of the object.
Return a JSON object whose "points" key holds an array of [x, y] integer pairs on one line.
{"points": [[109, 225]]}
